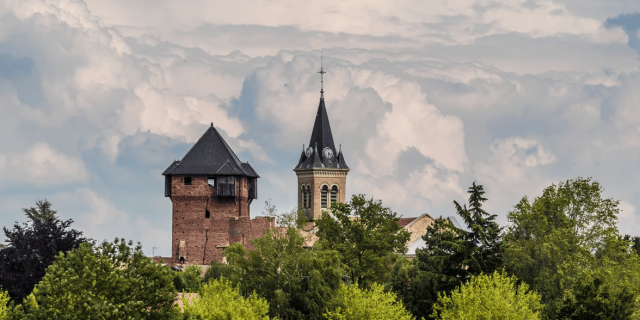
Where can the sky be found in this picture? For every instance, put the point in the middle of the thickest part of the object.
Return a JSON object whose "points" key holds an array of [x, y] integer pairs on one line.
{"points": [[99, 97]]}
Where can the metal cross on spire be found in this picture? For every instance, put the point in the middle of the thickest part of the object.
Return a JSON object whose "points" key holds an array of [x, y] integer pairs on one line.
{"points": [[321, 72]]}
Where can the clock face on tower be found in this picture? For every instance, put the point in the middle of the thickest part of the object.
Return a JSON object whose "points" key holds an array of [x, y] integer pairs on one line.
{"points": [[327, 153], [309, 152]]}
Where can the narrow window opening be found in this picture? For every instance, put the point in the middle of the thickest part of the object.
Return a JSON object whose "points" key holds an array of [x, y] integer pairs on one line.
{"points": [[309, 197], [211, 181], [334, 194], [323, 198], [187, 181], [304, 197], [207, 214]]}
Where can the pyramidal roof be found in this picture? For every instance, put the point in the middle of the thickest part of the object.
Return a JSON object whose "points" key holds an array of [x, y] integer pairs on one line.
{"points": [[321, 138], [211, 155]]}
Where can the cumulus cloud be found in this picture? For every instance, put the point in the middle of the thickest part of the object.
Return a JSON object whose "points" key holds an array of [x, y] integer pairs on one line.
{"points": [[104, 220], [41, 166], [515, 95]]}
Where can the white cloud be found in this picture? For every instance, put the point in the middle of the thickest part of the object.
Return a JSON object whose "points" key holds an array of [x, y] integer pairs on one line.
{"points": [[104, 220], [41, 166], [424, 98], [511, 158]]}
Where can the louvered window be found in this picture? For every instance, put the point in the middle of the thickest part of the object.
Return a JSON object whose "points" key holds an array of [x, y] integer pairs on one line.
{"points": [[226, 186], [334, 194], [253, 188], [303, 194], [323, 198]]}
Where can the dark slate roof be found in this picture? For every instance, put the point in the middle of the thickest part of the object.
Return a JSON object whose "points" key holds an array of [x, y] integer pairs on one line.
{"points": [[321, 138], [249, 170], [341, 163], [171, 167], [210, 155]]}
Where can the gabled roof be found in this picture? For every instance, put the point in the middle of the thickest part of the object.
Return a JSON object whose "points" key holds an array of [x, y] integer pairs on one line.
{"points": [[403, 222], [321, 138], [210, 155]]}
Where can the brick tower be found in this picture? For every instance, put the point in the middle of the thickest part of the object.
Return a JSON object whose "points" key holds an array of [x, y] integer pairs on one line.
{"points": [[322, 171], [211, 191]]}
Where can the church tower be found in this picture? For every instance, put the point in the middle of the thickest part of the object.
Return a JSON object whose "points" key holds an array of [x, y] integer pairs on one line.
{"points": [[322, 171]]}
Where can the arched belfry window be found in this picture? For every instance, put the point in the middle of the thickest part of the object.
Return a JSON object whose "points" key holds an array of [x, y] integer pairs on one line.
{"points": [[303, 192], [309, 196], [323, 198], [334, 194]]}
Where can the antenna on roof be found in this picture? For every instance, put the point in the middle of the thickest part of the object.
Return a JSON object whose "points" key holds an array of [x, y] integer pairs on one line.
{"points": [[321, 72], [211, 124]]}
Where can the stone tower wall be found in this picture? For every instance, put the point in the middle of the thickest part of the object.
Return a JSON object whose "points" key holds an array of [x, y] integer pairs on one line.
{"points": [[316, 178], [205, 238]]}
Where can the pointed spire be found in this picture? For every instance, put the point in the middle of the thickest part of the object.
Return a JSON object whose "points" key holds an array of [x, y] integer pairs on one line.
{"points": [[317, 163], [321, 72]]}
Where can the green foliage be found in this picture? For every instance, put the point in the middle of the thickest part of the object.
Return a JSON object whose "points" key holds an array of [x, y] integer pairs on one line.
{"points": [[367, 236], [31, 248], [189, 280], [297, 282], [4, 299], [220, 301], [591, 299], [608, 290], [42, 211], [373, 303], [450, 256], [416, 288], [110, 281], [494, 297], [552, 240]]}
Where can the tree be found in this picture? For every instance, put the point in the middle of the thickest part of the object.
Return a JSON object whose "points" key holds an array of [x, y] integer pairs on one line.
{"points": [[189, 280], [219, 300], [416, 288], [297, 282], [451, 255], [30, 249], [373, 303], [367, 236], [4, 299], [554, 238], [590, 299], [42, 211], [110, 281], [609, 288], [493, 296]]}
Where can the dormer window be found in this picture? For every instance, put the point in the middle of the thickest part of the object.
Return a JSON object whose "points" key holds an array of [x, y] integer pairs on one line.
{"points": [[187, 181], [211, 181]]}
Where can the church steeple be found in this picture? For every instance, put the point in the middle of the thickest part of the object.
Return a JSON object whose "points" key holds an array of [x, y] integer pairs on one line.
{"points": [[321, 170], [322, 139]]}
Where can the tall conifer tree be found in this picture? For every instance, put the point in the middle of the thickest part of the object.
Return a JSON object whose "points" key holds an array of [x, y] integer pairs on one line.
{"points": [[451, 255]]}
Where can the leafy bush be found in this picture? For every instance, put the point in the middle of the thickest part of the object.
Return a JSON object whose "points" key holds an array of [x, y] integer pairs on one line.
{"points": [[493, 296], [220, 301], [4, 299], [371, 303], [189, 280]]}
